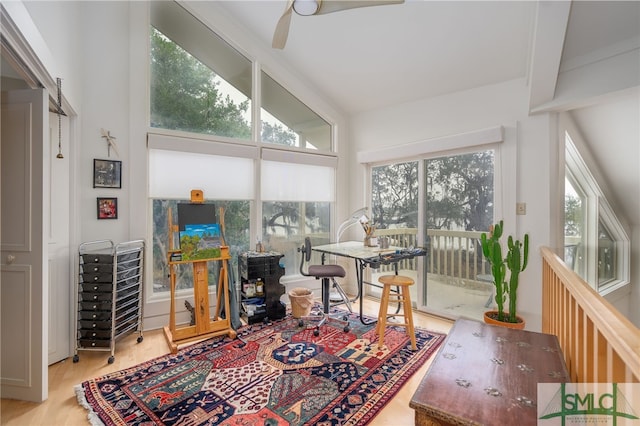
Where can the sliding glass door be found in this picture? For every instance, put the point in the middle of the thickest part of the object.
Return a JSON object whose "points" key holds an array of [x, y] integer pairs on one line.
{"points": [[444, 204], [459, 204]]}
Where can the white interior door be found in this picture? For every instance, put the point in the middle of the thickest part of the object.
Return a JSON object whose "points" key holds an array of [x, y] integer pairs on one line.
{"points": [[60, 272], [24, 156]]}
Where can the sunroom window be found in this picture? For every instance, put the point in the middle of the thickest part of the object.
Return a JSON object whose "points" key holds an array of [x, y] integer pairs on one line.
{"points": [[172, 176], [199, 83], [596, 244], [202, 136], [287, 121], [296, 202]]}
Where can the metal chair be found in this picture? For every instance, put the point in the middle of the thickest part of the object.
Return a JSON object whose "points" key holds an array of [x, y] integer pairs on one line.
{"points": [[327, 273]]}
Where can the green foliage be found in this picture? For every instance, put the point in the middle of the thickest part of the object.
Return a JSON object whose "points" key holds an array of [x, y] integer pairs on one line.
{"points": [[274, 133], [517, 256], [185, 96], [395, 195], [573, 219], [515, 261], [460, 191]]}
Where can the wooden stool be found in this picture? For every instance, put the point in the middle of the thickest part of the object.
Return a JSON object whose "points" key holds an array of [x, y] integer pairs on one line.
{"points": [[402, 296]]}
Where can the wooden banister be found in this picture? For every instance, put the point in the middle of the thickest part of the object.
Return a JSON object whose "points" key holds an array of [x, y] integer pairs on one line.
{"points": [[599, 344]]}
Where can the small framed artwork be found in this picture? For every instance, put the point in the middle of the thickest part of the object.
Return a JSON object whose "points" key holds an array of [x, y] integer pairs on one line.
{"points": [[107, 174], [107, 208]]}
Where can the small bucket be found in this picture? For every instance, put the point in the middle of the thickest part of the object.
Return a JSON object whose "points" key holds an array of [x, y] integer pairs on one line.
{"points": [[301, 302]]}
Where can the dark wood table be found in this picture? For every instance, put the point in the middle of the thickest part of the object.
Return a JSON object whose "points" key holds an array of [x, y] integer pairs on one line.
{"points": [[487, 375]]}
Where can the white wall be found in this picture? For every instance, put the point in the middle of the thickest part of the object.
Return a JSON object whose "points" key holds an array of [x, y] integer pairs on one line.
{"points": [[533, 138], [51, 28], [104, 55]]}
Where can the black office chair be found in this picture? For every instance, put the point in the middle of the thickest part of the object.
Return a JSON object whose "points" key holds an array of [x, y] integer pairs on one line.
{"points": [[327, 273]]}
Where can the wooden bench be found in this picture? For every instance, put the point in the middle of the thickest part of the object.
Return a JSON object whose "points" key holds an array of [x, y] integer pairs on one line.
{"points": [[486, 374]]}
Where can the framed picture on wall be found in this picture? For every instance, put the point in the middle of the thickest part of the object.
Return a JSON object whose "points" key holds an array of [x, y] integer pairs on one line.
{"points": [[107, 174], [107, 208]]}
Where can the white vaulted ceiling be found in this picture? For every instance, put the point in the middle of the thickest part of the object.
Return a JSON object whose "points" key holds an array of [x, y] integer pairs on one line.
{"points": [[373, 57]]}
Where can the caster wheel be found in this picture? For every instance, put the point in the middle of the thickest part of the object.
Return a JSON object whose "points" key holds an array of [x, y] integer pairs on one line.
{"points": [[316, 332], [300, 323], [140, 339], [111, 359], [76, 358], [345, 318], [346, 329]]}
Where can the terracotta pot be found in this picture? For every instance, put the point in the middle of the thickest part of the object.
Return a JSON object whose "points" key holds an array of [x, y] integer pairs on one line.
{"points": [[491, 317]]}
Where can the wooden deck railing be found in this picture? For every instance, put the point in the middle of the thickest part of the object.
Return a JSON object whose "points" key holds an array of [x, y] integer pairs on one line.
{"points": [[599, 344]]}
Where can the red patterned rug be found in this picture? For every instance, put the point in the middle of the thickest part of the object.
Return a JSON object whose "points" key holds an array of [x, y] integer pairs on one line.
{"points": [[275, 374]]}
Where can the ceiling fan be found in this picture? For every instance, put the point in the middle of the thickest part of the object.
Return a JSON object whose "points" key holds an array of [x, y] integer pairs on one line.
{"points": [[317, 7]]}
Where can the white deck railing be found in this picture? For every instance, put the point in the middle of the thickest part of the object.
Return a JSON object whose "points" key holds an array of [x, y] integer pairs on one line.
{"points": [[452, 255]]}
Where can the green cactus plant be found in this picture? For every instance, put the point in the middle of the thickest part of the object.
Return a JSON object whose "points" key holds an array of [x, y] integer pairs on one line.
{"points": [[515, 261]]}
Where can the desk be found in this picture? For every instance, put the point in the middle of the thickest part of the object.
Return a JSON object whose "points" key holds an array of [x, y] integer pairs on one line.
{"points": [[368, 256], [486, 374]]}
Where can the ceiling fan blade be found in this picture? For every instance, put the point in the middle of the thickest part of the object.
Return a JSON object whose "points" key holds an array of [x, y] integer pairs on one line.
{"points": [[282, 28], [329, 6]]}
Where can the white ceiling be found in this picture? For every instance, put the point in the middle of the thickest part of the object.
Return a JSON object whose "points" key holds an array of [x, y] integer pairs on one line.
{"points": [[372, 57], [399, 53]]}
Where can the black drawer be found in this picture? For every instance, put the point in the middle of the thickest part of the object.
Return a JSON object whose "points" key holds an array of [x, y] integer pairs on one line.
{"points": [[95, 315], [128, 264], [97, 258], [89, 268], [97, 287], [95, 343], [96, 306], [127, 257], [95, 325], [129, 311], [253, 265], [97, 277], [95, 297], [95, 334], [128, 273], [126, 282]]}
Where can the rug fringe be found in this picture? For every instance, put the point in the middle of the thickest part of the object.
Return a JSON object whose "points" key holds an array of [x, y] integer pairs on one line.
{"points": [[82, 400]]}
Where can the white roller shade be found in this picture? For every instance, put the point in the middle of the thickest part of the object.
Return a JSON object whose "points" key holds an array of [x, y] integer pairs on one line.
{"points": [[173, 174], [296, 182]]}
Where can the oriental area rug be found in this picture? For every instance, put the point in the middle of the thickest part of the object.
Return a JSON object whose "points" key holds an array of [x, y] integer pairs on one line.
{"points": [[272, 374]]}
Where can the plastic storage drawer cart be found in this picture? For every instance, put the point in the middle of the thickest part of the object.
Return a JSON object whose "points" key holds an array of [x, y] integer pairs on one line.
{"points": [[110, 294]]}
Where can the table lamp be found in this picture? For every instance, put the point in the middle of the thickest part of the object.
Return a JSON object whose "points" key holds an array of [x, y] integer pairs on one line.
{"points": [[358, 216]]}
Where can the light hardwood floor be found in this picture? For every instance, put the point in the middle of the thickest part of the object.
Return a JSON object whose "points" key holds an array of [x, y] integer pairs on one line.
{"points": [[62, 408]]}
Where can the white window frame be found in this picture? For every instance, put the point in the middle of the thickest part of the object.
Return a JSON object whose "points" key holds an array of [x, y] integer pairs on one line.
{"points": [[502, 140], [597, 208]]}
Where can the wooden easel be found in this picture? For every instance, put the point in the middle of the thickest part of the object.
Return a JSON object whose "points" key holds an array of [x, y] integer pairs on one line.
{"points": [[204, 326]]}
